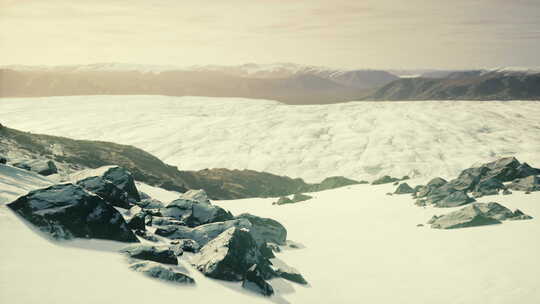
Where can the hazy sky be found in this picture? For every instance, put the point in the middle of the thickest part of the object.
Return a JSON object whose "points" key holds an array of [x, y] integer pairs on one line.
{"points": [[368, 34]]}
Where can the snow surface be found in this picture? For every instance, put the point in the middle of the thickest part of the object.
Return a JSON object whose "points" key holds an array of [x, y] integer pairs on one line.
{"points": [[360, 246], [359, 140]]}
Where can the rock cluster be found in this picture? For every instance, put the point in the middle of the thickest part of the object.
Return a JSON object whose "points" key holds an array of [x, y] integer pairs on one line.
{"points": [[40, 166], [487, 179]]}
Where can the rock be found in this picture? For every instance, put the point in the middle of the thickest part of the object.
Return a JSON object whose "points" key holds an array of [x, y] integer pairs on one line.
{"points": [[158, 271], [66, 211], [194, 209], [476, 214], [419, 225], [389, 193], [40, 166], [266, 251], [254, 281], [328, 183], [265, 230], [150, 203], [166, 221], [146, 235], [116, 186], [529, 183], [274, 247], [519, 215], [405, 177], [229, 256], [202, 234], [283, 201], [187, 245], [3, 160], [404, 188], [160, 254], [137, 222], [396, 183], [454, 200], [291, 275], [506, 192], [384, 180], [299, 197]]}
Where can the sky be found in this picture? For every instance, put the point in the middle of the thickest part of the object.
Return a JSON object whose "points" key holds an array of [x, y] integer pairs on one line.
{"points": [[386, 34]]}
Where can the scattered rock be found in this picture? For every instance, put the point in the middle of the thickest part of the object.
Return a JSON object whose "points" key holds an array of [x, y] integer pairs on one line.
{"points": [[160, 254], [204, 233], [40, 166], [385, 180], [265, 230], [455, 199], [116, 186], [187, 245], [3, 160], [298, 197], [529, 183], [158, 271], [66, 211], [477, 214], [194, 209], [228, 256], [404, 188], [255, 282]]}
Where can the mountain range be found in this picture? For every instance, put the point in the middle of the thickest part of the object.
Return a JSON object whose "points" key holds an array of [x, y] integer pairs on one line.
{"points": [[285, 82]]}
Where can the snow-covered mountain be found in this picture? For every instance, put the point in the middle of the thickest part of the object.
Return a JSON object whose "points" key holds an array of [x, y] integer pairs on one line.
{"points": [[358, 140]]}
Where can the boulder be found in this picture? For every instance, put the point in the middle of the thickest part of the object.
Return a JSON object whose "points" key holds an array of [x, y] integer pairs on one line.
{"points": [[137, 222], [529, 183], [385, 180], [265, 230], [166, 221], [146, 235], [40, 166], [202, 234], [229, 256], [187, 245], [194, 209], [66, 211], [150, 203], [477, 214], [290, 274], [3, 160], [161, 272], [404, 188], [455, 199], [160, 254], [116, 186], [254, 281]]}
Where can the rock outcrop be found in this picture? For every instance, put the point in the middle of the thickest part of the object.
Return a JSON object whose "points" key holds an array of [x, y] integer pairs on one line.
{"points": [[160, 254], [477, 214], [254, 281], [67, 211], [161, 272], [385, 180], [404, 188], [265, 230]]}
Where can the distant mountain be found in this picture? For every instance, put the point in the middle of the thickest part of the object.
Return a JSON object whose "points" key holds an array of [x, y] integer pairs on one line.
{"points": [[499, 84], [288, 83]]}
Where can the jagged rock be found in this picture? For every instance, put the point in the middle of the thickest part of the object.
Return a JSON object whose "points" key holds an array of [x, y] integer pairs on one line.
{"points": [[332, 182], [194, 209], [160, 254], [229, 256], [65, 211], [455, 199], [476, 214], [150, 203], [3, 160], [202, 234], [40, 166], [404, 188], [289, 273], [519, 215], [146, 235], [187, 245], [137, 222], [158, 271], [529, 183], [254, 281], [266, 251], [116, 186], [166, 221], [384, 180], [265, 230]]}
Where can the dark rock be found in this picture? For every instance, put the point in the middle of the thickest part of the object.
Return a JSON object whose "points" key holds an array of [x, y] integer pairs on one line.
{"points": [[254, 281], [202, 234], [146, 235], [65, 211], [40, 166], [150, 203], [419, 225], [299, 197], [396, 183], [405, 177], [328, 183], [266, 251], [229, 256], [116, 186], [3, 160], [194, 209], [137, 222], [166, 221], [265, 230], [187, 245], [274, 247], [158, 271], [529, 183], [455, 199], [519, 215], [476, 214], [291, 274], [384, 180], [283, 201], [506, 192], [160, 254], [389, 193], [404, 188]]}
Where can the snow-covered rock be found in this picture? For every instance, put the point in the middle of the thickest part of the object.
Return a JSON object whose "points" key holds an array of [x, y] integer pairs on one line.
{"points": [[161, 272], [160, 254], [265, 230]]}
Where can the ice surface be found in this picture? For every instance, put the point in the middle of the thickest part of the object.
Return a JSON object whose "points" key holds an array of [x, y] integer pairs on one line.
{"points": [[359, 140]]}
